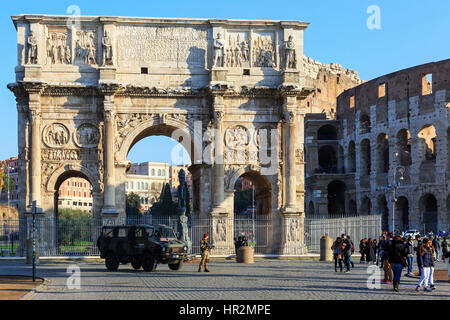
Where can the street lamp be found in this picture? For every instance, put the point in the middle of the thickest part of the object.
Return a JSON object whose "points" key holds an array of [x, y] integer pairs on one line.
{"points": [[394, 186]]}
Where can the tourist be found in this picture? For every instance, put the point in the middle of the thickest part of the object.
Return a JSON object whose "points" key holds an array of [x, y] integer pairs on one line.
{"points": [[433, 253], [425, 257], [352, 251], [409, 248], [337, 253], [370, 252], [446, 256], [397, 259], [436, 247], [347, 249], [418, 245], [385, 260], [380, 251], [205, 248], [362, 249]]}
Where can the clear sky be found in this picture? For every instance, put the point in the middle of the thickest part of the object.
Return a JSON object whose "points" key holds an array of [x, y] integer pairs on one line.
{"points": [[412, 32]]}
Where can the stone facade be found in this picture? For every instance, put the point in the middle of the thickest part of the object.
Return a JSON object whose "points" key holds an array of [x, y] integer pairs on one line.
{"points": [[390, 134], [86, 96]]}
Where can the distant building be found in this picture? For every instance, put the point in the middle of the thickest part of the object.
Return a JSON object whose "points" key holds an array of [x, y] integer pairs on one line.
{"points": [[147, 180], [76, 194], [10, 168]]}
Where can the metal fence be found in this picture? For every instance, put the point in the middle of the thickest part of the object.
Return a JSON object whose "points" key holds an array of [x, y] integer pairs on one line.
{"points": [[357, 227]]}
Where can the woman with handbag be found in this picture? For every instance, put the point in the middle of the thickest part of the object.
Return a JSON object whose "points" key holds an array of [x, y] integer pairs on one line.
{"points": [[397, 260], [337, 253]]}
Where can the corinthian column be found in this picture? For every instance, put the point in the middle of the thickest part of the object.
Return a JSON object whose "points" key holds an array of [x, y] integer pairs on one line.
{"points": [[109, 199], [219, 185], [290, 148], [35, 123]]}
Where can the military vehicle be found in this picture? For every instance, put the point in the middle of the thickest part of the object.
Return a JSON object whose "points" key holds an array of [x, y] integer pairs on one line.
{"points": [[141, 245]]}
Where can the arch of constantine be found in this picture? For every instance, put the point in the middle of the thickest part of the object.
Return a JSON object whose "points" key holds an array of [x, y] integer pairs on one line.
{"points": [[230, 91]]}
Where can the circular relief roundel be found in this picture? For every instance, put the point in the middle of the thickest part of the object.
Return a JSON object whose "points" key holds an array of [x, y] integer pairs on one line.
{"points": [[56, 135], [87, 135]]}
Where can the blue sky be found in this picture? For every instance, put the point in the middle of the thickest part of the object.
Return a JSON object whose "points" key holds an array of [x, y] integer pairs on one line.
{"points": [[412, 32]]}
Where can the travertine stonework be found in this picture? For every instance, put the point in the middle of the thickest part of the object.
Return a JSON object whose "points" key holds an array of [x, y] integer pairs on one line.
{"points": [[392, 127], [85, 96]]}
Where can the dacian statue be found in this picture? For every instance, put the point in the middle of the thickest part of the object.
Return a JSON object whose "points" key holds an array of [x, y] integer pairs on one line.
{"points": [[32, 48], [184, 208], [107, 50], [218, 52], [289, 54]]}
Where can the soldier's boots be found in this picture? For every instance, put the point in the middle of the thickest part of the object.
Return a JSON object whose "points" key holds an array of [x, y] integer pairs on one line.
{"points": [[206, 267], [200, 268]]}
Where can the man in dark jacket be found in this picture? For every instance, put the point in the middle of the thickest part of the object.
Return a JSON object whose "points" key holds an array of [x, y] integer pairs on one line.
{"points": [[396, 257], [347, 252], [419, 242], [409, 249]]}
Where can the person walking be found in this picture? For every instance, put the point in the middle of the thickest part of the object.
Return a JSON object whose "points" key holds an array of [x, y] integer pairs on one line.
{"points": [[436, 246], [381, 244], [362, 250], [425, 256], [352, 251], [446, 256], [397, 259], [337, 253], [205, 249], [347, 249], [419, 244], [385, 259], [370, 251], [409, 249]]}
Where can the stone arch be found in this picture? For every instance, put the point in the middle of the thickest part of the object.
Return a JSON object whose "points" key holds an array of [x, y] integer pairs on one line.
{"points": [[72, 170], [364, 123], [427, 136], [351, 156], [327, 132], [352, 208], [366, 206], [404, 147], [428, 210], [170, 127], [382, 153], [383, 211], [402, 213], [365, 158], [262, 187], [336, 197], [327, 159]]}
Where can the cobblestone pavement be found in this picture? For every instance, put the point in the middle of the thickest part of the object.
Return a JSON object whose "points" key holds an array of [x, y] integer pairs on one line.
{"points": [[265, 279]]}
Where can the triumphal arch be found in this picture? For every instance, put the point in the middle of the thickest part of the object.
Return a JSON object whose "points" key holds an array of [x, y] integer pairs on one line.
{"points": [[89, 88]]}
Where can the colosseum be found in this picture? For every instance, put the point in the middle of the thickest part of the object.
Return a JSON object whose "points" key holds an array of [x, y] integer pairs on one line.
{"points": [[382, 147]]}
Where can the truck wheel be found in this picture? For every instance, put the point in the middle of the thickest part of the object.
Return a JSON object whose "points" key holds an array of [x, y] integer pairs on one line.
{"points": [[136, 265], [111, 261], [148, 262], [176, 266]]}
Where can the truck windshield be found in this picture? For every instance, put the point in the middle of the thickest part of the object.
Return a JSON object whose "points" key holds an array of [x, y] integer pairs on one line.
{"points": [[167, 233]]}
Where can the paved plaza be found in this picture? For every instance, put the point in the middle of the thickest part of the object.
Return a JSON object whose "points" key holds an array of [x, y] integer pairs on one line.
{"points": [[265, 279]]}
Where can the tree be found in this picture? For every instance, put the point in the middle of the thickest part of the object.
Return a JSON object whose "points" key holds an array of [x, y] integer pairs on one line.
{"points": [[133, 204], [165, 206]]}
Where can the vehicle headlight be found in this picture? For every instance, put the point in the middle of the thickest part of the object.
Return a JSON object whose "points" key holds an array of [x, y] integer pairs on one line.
{"points": [[164, 249], [185, 248]]}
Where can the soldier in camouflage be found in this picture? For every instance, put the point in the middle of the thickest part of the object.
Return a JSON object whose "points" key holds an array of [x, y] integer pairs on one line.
{"points": [[205, 248]]}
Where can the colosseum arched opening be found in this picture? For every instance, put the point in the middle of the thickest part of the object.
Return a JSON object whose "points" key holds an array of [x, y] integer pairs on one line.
{"points": [[382, 159], [364, 124], [336, 198], [327, 132], [351, 157], [404, 147], [427, 153], [366, 207], [327, 159], [428, 209], [402, 213], [383, 211], [365, 163]]}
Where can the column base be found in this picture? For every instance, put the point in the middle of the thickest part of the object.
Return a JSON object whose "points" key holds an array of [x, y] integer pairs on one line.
{"points": [[292, 232]]}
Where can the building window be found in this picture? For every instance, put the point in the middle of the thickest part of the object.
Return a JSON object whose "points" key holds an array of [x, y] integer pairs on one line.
{"points": [[427, 84], [74, 203], [153, 172], [381, 90], [159, 172], [74, 193], [352, 101]]}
